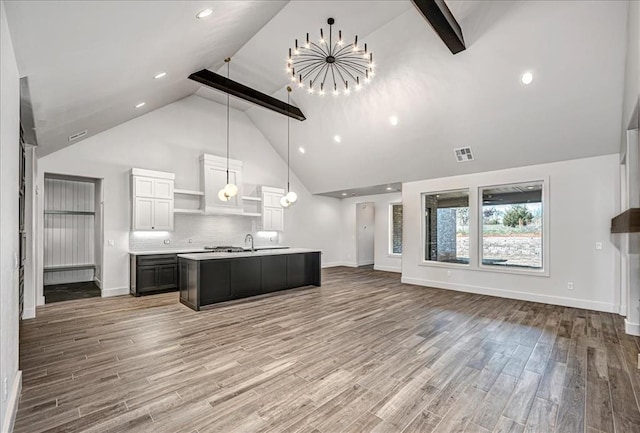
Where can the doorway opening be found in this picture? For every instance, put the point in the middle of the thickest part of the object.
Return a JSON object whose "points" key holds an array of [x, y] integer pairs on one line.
{"points": [[365, 234], [72, 238]]}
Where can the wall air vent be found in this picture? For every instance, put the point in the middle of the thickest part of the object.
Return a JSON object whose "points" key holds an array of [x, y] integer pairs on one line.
{"points": [[77, 135], [463, 154]]}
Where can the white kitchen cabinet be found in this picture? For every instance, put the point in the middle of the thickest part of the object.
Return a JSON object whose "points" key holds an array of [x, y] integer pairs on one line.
{"points": [[214, 178], [152, 200], [272, 211]]}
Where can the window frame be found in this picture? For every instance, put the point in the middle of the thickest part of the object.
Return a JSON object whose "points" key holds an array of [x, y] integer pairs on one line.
{"points": [[542, 272], [423, 230], [390, 252]]}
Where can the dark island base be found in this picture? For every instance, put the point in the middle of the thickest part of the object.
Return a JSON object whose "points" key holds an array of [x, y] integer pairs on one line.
{"points": [[206, 282]]}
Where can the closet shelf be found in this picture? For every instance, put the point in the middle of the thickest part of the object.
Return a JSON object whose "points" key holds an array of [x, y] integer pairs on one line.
{"points": [[68, 212], [186, 192], [60, 268]]}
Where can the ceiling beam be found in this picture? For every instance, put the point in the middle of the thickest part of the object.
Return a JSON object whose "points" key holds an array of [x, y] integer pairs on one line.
{"points": [[219, 82], [443, 22]]}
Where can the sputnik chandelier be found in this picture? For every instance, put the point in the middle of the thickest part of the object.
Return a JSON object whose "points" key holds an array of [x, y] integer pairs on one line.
{"points": [[330, 66]]}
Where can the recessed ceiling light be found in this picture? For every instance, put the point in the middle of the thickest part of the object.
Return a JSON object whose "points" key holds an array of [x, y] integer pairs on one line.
{"points": [[389, 188], [337, 138], [393, 120], [526, 78], [160, 75], [301, 149], [344, 193], [140, 105], [204, 13], [529, 187]]}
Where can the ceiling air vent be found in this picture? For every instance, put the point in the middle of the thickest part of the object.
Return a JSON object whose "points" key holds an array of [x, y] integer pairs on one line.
{"points": [[77, 135], [463, 154]]}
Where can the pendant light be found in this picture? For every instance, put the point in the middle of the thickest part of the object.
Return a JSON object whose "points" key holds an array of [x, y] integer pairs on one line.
{"points": [[291, 197], [230, 189]]}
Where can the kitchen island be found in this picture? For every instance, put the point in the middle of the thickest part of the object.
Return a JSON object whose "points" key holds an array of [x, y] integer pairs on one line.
{"points": [[209, 278]]}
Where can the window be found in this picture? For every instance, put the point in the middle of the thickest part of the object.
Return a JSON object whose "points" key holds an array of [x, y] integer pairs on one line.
{"points": [[512, 229], [395, 238], [446, 227]]}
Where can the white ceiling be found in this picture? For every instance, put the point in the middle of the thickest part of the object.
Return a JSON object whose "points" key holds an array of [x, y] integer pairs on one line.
{"points": [[89, 63]]}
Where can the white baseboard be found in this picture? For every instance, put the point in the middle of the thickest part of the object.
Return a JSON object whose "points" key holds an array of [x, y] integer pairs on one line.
{"points": [[335, 264], [631, 328], [509, 294], [366, 263], [331, 264], [387, 268], [28, 313], [40, 301], [98, 282], [107, 293], [12, 404]]}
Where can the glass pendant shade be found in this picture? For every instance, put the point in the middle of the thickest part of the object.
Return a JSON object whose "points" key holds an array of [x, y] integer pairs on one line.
{"points": [[284, 202], [222, 195], [291, 197], [230, 189]]}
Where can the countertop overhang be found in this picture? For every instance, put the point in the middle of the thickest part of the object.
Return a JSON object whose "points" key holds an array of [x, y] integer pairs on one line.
{"points": [[197, 250], [257, 253]]}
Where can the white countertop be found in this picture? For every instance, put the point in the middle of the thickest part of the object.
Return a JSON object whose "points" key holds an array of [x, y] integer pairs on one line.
{"points": [[263, 252], [196, 250]]}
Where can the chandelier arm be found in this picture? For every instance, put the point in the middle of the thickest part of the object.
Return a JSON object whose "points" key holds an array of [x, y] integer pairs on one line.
{"points": [[346, 71], [354, 64], [309, 71], [352, 57], [343, 49], [301, 62], [330, 38], [341, 76], [324, 78], [333, 74], [322, 50], [312, 70], [307, 57], [313, 47], [351, 70], [318, 74]]}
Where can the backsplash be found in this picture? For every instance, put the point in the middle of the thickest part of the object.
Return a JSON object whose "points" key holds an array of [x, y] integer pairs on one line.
{"points": [[209, 230]]}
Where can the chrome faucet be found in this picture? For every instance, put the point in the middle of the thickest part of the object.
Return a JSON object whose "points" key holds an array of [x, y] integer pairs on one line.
{"points": [[247, 238]]}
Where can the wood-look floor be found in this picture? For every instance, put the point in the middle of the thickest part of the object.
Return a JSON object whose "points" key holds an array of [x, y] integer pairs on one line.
{"points": [[363, 353]]}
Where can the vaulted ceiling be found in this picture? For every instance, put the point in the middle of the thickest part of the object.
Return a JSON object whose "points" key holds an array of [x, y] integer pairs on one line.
{"points": [[90, 64]]}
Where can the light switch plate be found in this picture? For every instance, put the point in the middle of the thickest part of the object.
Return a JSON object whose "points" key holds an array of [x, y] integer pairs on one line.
{"points": [[598, 245], [111, 242]]}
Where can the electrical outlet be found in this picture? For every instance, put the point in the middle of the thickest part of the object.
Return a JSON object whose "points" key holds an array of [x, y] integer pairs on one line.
{"points": [[569, 286], [190, 241], [167, 241], [5, 389], [598, 245], [449, 273]]}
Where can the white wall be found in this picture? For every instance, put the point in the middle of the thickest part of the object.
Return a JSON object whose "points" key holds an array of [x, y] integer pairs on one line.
{"points": [[632, 71], [583, 199], [172, 139], [382, 261], [9, 157]]}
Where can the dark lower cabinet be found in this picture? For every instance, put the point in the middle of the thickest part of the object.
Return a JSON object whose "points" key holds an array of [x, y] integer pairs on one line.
{"points": [[217, 272], [274, 273], [153, 273], [245, 276], [205, 282]]}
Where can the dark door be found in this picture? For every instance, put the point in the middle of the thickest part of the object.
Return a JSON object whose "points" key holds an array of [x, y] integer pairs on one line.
{"points": [[297, 270], [245, 276], [274, 273], [147, 278], [167, 276], [214, 281]]}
